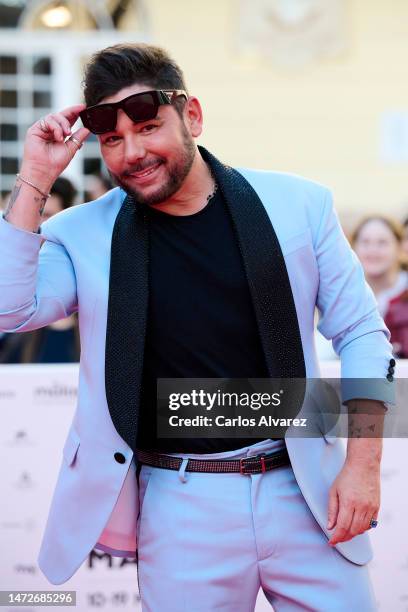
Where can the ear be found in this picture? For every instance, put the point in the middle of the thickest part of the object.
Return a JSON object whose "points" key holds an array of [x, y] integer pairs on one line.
{"points": [[193, 116]]}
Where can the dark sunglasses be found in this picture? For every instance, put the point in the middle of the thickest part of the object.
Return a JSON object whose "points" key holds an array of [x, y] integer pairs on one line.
{"points": [[139, 107]]}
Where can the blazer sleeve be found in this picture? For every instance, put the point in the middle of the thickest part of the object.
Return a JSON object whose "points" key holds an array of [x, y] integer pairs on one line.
{"points": [[348, 314], [37, 280]]}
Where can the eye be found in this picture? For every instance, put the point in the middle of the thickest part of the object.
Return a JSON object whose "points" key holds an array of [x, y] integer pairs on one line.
{"points": [[149, 127], [111, 140]]}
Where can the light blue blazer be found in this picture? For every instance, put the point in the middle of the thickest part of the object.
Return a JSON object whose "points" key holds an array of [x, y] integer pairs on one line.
{"points": [[95, 499]]}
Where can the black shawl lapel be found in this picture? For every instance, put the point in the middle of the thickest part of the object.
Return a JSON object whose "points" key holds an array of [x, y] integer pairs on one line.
{"points": [[266, 272], [127, 315], [128, 295]]}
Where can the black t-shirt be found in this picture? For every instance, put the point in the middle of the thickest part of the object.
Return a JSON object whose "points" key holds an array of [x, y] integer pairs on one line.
{"points": [[201, 321]]}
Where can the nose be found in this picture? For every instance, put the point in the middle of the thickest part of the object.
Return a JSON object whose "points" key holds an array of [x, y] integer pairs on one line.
{"points": [[134, 149]]}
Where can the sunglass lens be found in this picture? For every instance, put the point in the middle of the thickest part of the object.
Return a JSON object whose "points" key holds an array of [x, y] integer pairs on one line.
{"points": [[141, 107], [99, 120]]}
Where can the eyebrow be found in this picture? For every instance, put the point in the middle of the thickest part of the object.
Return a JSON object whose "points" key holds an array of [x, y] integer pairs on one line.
{"points": [[157, 118]]}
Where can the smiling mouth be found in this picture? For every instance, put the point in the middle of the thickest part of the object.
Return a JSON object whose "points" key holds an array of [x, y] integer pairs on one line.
{"points": [[144, 173]]}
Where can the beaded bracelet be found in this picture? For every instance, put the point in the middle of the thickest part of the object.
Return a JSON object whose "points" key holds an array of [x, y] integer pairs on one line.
{"points": [[24, 180]]}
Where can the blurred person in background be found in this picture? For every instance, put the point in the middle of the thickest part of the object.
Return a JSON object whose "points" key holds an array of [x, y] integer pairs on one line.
{"points": [[378, 243], [59, 341], [4, 199], [63, 194], [98, 184]]}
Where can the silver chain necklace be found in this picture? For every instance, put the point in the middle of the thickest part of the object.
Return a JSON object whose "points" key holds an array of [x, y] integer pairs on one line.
{"points": [[212, 194], [214, 191]]}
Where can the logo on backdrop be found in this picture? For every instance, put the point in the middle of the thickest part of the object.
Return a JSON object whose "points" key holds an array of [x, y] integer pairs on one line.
{"points": [[27, 525], [57, 391], [7, 394], [25, 568], [97, 558]]}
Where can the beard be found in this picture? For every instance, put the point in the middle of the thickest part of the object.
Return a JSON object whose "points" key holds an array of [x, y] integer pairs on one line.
{"points": [[177, 170]]}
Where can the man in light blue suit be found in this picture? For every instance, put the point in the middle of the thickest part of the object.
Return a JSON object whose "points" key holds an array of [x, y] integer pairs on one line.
{"points": [[190, 268]]}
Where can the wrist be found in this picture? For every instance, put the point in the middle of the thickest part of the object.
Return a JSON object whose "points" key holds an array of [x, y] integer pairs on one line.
{"points": [[367, 451], [40, 177]]}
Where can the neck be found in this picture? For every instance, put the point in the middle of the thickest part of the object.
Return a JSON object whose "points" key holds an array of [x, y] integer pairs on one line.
{"points": [[192, 195], [383, 281]]}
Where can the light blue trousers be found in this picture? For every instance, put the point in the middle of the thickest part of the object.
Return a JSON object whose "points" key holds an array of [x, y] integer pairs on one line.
{"points": [[209, 542]]}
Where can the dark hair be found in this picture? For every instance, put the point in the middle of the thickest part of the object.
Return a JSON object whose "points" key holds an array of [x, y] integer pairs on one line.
{"points": [[119, 66], [65, 190], [105, 179]]}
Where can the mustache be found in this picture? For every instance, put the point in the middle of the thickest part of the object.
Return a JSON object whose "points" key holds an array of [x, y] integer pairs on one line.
{"points": [[143, 166]]}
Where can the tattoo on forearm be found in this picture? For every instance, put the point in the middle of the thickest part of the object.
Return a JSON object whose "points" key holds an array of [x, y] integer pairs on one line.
{"points": [[41, 201], [366, 419], [365, 428], [13, 198]]}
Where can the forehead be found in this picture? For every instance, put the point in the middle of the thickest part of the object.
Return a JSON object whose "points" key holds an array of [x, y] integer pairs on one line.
{"points": [[376, 228], [126, 91]]}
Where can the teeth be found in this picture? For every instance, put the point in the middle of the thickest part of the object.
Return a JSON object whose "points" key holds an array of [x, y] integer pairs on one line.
{"points": [[147, 172]]}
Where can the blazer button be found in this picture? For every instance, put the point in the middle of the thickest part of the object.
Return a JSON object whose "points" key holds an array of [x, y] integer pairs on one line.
{"points": [[120, 458], [392, 362], [391, 370], [390, 377]]}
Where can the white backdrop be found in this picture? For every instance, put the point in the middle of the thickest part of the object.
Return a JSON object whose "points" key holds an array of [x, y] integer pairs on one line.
{"points": [[36, 406]]}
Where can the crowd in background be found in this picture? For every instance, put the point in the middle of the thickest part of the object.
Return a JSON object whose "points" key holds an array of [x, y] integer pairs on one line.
{"points": [[379, 241]]}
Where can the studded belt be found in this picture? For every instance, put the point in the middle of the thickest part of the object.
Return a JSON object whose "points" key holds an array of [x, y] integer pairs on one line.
{"points": [[247, 465]]}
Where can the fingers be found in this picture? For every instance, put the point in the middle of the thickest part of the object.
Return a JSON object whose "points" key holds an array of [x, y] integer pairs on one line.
{"points": [[77, 139], [353, 521], [81, 134], [72, 113], [333, 509], [371, 517], [344, 520], [57, 126], [360, 523]]}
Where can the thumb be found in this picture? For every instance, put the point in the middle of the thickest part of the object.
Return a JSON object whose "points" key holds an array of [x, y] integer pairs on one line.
{"points": [[333, 508]]}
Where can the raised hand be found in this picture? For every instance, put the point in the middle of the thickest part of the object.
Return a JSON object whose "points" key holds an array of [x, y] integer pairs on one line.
{"points": [[50, 145]]}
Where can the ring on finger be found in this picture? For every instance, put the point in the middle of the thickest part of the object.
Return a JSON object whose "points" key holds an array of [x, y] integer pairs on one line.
{"points": [[44, 125], [77, 142], [373, 523]]}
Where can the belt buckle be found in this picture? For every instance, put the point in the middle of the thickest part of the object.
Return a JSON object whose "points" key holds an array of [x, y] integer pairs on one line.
{"points": [[261, 457]]}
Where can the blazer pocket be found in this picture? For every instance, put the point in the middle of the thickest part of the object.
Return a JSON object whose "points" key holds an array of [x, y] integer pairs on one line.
{"points": [[297, 242], [71, 446]]}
